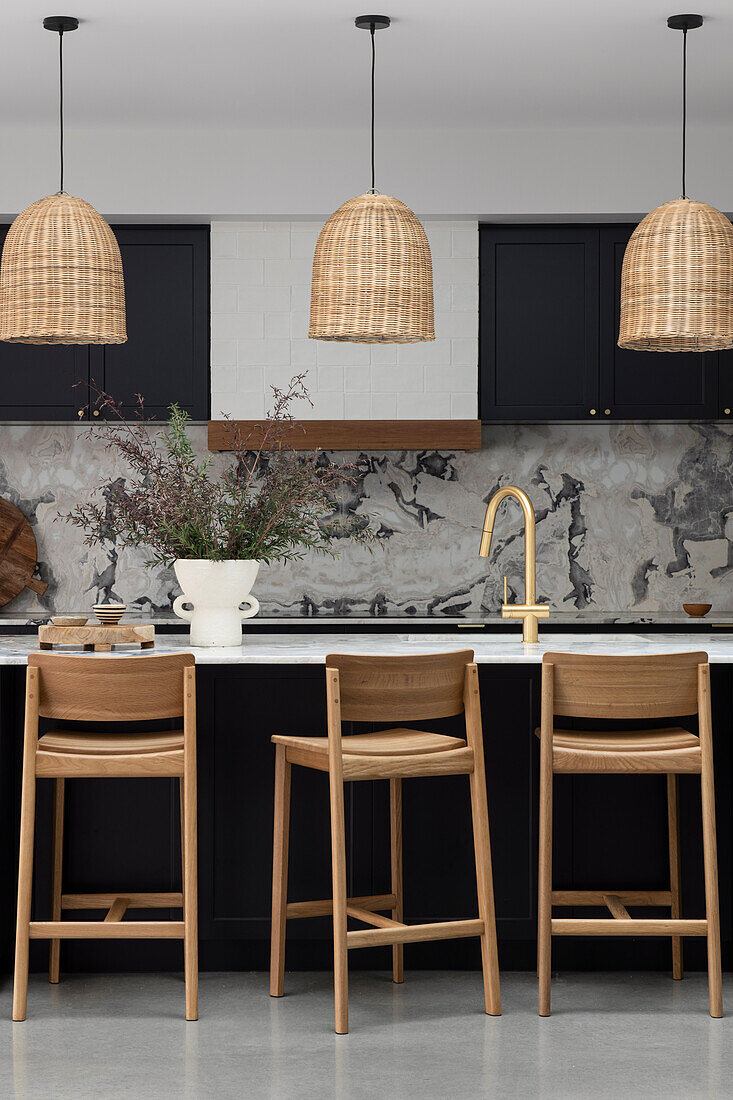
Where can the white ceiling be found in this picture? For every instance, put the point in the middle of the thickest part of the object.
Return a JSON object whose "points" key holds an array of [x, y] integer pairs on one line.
{"points": [[301, 64]]}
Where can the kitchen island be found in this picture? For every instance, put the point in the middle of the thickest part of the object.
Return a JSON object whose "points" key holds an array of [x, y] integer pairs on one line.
{"points": [[610, 830]]}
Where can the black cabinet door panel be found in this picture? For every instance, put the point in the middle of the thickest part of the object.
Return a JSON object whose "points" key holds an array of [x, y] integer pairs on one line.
{"points": [[43, 381], [440, 873], [39, 381], [239, 710], [539, 322], [166, 355], [646, 385]]}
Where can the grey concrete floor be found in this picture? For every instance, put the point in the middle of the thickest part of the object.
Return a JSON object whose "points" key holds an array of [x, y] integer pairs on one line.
{"points": [[610, 1035]]}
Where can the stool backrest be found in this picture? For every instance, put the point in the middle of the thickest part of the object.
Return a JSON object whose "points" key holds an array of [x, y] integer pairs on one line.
{"points": [[108, 688], [660, 686], [393, 689]]}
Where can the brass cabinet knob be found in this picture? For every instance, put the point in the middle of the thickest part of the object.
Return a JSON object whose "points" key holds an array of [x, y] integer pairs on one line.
{"points": [[592, 412], [80, 413], [607, 412], [96, 412], [727, 412]]}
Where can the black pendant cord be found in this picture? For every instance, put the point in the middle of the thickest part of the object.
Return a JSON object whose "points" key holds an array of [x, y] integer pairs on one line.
{"points": [[684, 23], [372, 23], [60, 25], [61, 111], [374, 58], [684, 109]]}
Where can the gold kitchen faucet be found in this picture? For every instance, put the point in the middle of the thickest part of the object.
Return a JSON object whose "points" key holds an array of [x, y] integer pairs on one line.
{"points": [[529, 611]]}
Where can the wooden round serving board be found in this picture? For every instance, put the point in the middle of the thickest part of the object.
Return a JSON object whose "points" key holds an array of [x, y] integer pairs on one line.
{"points": [[18, 554]]}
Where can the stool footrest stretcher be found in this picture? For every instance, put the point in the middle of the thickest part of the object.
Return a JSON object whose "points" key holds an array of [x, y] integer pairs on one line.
{"points": [[414, 933], [602, 926], [106, 930]]}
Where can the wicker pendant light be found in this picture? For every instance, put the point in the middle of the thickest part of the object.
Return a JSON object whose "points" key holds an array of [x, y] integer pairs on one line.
{"points": [[61, 272], [372, 272], [677, 275]]}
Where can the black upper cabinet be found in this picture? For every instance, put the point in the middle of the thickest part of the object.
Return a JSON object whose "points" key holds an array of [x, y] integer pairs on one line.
{"points": [[539, 322], [165, 357], [550, 301], [646, 385]]}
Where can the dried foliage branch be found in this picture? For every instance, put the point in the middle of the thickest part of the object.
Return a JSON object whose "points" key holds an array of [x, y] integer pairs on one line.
{"points": [[271, 503]]}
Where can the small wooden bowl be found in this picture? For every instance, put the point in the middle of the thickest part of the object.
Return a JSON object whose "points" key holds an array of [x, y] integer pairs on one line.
{"points": [[696, 610], [69, 620]]}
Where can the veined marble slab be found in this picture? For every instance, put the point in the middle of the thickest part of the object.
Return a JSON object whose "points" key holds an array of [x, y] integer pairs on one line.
{"points": [[283, 649], [632, 519]]}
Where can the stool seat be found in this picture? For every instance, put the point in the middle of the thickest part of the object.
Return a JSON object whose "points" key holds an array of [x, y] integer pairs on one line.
{"points": [[665, 750], [93, 743], [394, 742], [666, 740]]}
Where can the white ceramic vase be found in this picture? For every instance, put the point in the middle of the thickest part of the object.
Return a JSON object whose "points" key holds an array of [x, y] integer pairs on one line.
{"points": [[215, 589]]}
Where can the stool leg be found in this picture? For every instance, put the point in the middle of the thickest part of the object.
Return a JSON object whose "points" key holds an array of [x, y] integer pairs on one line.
{"points": [[338, 869], [190, 891], [485, 890], [25, 882], [715, 977], [673, 809], [56, 872], [181, 814], [280, 844], [398, 913], [544, 892]]}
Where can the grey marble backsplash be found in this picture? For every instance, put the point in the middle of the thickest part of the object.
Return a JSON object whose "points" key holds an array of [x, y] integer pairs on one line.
{"points": [[631, 518]]}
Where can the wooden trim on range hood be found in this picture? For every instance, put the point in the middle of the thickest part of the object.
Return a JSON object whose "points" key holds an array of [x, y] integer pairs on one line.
{"points": [[358, 435]]}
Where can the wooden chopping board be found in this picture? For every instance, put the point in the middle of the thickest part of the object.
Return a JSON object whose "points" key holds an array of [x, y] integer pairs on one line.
{"points": [[18, 554], [97, 636]]}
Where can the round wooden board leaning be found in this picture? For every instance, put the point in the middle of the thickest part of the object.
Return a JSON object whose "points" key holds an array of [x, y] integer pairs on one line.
{"points": [[18, 554]]}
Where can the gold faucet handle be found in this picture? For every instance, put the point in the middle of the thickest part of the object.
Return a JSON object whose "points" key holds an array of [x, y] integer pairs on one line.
{"points": [[529, 613], [521, 610]]}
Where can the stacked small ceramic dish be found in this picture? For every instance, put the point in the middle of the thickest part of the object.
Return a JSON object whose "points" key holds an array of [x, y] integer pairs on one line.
{"points": [[109, 613]]}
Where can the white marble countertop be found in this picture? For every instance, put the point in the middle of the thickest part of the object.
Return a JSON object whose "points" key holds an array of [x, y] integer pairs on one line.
{"points": [[311, 649]]}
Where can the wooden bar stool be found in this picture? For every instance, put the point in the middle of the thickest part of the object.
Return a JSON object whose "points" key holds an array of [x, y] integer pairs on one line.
{"points": [[107, 688], [386, 689], [636, 689]]}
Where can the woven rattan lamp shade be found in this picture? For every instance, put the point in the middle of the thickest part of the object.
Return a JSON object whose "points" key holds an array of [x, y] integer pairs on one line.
{"points": [[61, 276], [677, 280], [372, 275]]}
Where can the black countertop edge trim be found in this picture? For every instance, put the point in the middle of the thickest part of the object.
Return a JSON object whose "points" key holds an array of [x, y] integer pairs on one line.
{"points": [[293, 626]]}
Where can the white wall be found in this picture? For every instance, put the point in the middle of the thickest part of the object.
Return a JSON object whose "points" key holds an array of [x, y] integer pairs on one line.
{"points": [[457, 173], [260, 301]]}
